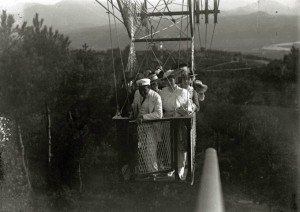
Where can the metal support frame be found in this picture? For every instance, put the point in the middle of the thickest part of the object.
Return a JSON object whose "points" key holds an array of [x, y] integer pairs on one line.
{"points": [[206, 11], [188, 124], [161, 39], [215, 11], [181, 13]]}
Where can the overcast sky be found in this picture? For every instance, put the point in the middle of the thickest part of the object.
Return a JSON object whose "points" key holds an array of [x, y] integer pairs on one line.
{"points": [[224, 4]]}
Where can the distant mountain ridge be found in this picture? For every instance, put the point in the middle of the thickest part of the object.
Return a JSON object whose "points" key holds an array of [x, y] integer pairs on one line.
{"points": [[68, 14], [271, 7], [246, 29], [74, 14], [245, 33]]}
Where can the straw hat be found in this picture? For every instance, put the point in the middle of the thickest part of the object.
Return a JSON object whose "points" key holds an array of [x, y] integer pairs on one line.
{"points": [[143, 82], [153, 77], [168, 73], [200, 87]]}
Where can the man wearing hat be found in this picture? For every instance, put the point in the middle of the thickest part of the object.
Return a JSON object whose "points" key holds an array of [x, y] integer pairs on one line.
{"points": [[154, 82], [147, 105]]}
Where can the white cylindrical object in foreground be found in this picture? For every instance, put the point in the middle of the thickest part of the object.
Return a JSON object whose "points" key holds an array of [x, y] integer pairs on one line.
{"points": [[210, 196]]}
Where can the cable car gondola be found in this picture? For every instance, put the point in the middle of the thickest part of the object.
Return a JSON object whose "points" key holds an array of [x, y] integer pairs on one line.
{"points": [[152, 25]]}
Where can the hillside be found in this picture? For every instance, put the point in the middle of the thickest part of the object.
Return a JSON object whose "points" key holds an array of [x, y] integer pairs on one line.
{"points": [[67, 14], [271, 7], [98, 37], [246, 29], [246, 33]]}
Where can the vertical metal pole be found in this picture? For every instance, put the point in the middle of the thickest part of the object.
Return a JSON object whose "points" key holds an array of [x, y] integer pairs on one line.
{"points": [[206, 11], [172, 140], [215, 11], [189, 153], [297, 146], [193, 55], [197, 2], [191, 5], [175, 126]]}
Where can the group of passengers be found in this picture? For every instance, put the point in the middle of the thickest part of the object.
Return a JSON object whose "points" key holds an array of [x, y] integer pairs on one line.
{"points": [[172, 93], [179, 94]]}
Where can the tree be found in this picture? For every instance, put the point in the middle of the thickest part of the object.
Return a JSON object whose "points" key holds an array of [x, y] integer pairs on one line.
{"points": [[32, 63], [291, 61], [241, 92], [6, 30]]}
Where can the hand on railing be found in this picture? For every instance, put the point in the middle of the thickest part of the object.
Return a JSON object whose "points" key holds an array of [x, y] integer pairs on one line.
{"points": [[183, 111], [130, 115], [139, 120]]}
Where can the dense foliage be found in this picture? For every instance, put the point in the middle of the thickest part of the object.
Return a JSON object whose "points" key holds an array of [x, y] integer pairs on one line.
{"points": [[46, 87]]}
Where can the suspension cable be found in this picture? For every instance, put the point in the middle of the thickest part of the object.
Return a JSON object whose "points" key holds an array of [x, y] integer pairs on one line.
{"points": [[167, 28], [117, 34], [212, 37], [170, 54], [107, 10], [179, 47], [201, 8], [121, 57], [179, 52], [199, 35], [166, 3], [168, 81], [111, 2], [205, 35], [113, 61], [163, 14], [187, 42]]}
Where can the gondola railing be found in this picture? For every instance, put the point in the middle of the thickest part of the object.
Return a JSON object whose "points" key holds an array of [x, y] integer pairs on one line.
{"points": [[151, 147]]}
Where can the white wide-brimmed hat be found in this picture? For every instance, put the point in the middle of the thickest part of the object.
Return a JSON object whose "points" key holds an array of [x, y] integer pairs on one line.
{"points": [[199, 85], [143, 82], [168, 73], [153, 77]]}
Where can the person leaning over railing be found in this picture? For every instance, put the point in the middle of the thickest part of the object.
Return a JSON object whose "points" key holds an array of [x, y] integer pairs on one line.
{"points": [[147, 105], [176, 103], [200, 89], [186, 80]]}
